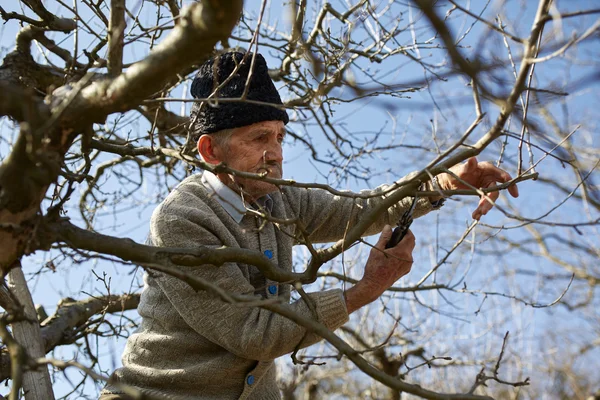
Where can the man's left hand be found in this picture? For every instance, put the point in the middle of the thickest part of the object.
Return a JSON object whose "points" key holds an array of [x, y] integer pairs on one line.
{"points": [[478, 175]]}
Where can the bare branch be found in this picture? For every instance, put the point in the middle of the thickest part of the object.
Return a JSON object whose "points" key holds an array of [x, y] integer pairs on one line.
{"points": [[53, 22], [116, 29], [70, 315]]}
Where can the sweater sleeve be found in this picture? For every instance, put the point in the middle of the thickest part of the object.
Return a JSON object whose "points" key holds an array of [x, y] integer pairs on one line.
{"points": [[249, 332], [327, 216]]}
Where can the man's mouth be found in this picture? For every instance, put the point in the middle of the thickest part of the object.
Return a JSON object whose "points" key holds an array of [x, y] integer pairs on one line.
{"points": [[270, 170]]}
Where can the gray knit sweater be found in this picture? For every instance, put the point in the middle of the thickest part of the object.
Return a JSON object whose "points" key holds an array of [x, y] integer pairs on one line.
{"points": [[191, 345]]}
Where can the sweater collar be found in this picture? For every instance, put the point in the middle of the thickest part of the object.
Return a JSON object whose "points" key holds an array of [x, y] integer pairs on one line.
{"points": [[231, 201]]}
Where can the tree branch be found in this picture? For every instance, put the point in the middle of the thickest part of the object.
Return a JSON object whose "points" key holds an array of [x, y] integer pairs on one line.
{"points": [[75, 108], [70, 315], [128, 250], [52, 21], [116, 30], [200, 27]]}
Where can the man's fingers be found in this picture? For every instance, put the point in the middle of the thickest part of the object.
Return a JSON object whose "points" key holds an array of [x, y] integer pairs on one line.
{"points": [[513, 190], [404, 249], [485, 175], [502, 176], [409, 238], [485, 205], [385, 236]]}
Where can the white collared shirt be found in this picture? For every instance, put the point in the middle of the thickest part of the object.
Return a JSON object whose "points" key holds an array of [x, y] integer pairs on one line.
{"points": [[230, 200]]}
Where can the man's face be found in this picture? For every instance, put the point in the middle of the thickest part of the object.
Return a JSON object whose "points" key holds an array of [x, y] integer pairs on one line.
{"points": [[255, 148]]}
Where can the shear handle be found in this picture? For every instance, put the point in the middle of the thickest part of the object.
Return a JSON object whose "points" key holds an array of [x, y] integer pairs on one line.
{"points": [[398, 234]]}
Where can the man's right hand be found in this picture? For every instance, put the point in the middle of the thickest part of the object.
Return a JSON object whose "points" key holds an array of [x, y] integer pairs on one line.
{"points": [[384, 267]]}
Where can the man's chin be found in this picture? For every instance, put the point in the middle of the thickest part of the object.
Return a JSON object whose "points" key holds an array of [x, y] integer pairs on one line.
{"points": [[269, 188], [256, 188], [255, 192]]}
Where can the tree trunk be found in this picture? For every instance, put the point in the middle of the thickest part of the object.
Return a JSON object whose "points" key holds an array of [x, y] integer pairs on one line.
{"points": [[36, 384]]}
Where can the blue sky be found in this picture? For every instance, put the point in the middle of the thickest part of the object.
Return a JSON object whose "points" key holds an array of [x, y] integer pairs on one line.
{"points": [[408, 121]]}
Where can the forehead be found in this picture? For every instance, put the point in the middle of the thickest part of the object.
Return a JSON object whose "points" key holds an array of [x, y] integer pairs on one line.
{"points": [[265, 126]]}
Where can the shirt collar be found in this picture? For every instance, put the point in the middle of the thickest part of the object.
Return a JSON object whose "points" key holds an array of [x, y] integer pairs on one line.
{"points": [[231, 201]]}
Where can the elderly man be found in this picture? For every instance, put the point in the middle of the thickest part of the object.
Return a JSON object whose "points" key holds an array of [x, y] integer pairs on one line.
{"points": [[195, 346]]}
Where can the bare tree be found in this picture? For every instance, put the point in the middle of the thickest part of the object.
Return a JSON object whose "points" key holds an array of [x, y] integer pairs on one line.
{"points": [[94, 134]]}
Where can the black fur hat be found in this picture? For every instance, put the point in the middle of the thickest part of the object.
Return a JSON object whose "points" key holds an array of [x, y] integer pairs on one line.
{"points": [[207, 118]]}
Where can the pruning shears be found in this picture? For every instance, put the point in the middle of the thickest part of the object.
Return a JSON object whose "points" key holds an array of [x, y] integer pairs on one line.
{"points": [[403, 225]]}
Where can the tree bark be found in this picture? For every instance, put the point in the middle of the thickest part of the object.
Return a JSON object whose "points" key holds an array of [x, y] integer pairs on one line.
{"points": [[116, 29], [36, 384]]}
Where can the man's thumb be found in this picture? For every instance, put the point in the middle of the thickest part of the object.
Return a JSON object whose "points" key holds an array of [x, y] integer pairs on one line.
{"points": [[471, 164], [385, 236]]}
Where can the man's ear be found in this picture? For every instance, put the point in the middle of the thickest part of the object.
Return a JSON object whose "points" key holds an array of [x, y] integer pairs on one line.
{"points": [[207, 149]]}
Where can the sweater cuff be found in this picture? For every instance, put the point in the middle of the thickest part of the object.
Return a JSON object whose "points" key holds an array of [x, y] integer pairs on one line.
{"points": [[331, 308], [425, 206]]}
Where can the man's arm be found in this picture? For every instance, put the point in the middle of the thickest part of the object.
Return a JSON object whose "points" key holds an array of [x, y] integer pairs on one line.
{"points": [[326, 217]]}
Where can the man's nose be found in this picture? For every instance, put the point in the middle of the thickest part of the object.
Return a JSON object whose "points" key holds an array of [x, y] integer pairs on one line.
{"points": [[274, 152]]}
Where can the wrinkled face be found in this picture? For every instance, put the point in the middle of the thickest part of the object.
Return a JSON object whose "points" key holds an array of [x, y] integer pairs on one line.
{"points": [[255, 148]]}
